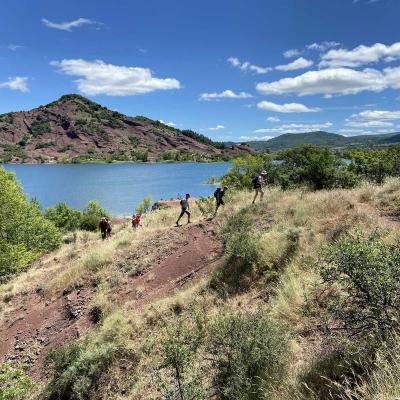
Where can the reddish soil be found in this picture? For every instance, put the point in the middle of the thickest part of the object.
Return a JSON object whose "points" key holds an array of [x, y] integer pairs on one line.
{"points": [[33, 325], [74, 126]]}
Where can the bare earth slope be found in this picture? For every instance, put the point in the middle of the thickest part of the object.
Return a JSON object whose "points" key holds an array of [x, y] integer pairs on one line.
{"points": [[33, 323], [75, 126]]}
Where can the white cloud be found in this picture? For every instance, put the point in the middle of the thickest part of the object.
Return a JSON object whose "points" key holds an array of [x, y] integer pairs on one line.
{"points": [[377, 115], [285, 108], [295, 128], [368, 124], [113, 80], [13, 47], [300, 63], [292, 53], [16, 83], [226, 94], [167, 123], [67, 26], [273, 119], [216, 128], [360, 55], [323, 46], [337, 81], [247, 66], [255, 138]]}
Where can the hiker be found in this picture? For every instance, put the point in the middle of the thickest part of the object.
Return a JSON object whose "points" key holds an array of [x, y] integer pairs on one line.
{"points": [[185, 209], [219, 198], [109, 228], [136, 220], [258, 182], [103, 225]]}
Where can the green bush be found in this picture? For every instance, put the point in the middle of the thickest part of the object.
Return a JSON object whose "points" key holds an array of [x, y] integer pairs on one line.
{"points": [[24, 232], [180, 378], [367, 271], [206, 206], [145, 205], [375, 165], [239, 356], [243, 253], [39, 128], [91, 216], [248, 353], [14, 384], [64, 217], [78, 367]]}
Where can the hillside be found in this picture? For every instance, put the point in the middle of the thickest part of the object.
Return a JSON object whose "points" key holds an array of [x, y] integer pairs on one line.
{"points": [[320, 138], [124, 312], [75, 128]]}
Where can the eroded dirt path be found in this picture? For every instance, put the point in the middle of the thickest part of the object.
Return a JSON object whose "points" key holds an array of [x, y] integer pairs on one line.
{"points": [[33, 324]]}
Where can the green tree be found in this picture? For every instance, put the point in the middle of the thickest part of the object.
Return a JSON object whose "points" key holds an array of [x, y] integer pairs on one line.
{"points": [[24, 232], [91, 216], [64, 217], [144, 206]]}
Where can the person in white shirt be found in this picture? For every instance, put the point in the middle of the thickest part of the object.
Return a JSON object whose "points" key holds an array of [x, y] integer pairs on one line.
{"points": [[185, 209]]}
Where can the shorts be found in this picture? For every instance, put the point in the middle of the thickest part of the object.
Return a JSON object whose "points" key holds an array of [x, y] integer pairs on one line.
{"points": [[184, 211], [220, 202]]}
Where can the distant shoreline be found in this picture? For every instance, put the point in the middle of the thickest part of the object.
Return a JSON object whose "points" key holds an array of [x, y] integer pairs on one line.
{"points": [[119, 162]]}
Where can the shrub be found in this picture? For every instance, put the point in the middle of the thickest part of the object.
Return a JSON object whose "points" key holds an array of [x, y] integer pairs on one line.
{"points": [[91, 216], [374, 165], [78, 367], [243, 253], [145, 205], [180, 379], [24, 232], [64, 217], [248, 353], [367, 271], [39, 128], [14, 384], [233, 356], [310, 165], [206, 206]]}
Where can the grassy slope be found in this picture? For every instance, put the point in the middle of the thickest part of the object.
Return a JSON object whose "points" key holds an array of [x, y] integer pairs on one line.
{"points": [[279, 288]]}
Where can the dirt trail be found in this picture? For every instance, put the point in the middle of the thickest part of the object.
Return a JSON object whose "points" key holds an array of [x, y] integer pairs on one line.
{"points": [[34, 324]]}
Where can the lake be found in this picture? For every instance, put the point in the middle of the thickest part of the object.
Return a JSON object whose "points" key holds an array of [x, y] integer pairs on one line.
{"points": [[118, 187]]}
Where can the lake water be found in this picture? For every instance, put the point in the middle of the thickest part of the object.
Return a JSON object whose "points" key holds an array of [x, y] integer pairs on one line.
{"points": [[118, 187]]}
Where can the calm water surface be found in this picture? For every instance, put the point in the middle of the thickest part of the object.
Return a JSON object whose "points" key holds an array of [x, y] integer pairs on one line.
{"points": [[118, 187]]}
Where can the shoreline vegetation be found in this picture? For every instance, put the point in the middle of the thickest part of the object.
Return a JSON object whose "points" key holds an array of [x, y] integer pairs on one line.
{"points": [[301, 301]]}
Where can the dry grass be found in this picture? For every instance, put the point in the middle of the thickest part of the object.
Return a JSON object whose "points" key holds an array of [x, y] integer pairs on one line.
{"points": [[317, 218]]}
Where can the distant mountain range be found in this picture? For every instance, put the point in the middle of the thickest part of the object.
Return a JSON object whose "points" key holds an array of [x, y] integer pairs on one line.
{"points": [[320, 138], [75, 128]]}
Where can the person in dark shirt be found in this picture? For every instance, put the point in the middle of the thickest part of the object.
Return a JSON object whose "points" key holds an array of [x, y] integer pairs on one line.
{"points": [[103, 225], [219, 198]]}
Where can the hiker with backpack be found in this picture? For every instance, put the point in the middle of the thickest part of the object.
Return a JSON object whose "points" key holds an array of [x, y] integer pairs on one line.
{"points": [[109, 228], [219, 198], [258, 182], [103, 225], [185, 209]]}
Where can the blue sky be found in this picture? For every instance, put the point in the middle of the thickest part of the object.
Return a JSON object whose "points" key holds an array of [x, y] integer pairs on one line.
{"points": [[233, 70]]}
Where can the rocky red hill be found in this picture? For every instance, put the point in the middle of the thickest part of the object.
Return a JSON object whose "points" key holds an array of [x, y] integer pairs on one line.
{"points": [[74, 129]]}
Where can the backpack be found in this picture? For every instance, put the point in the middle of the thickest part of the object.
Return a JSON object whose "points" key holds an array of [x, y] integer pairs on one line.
{"points": [[216, 193], [256, 180]]}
